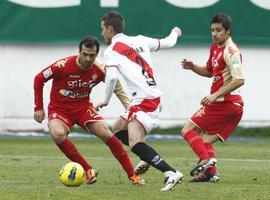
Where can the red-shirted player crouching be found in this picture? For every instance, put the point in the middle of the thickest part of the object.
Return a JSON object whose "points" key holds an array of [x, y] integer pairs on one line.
{"points": [[73, 79]]}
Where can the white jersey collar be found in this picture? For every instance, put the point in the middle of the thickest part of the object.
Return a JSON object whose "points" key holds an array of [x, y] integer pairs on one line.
{"points": [[117, 36]]}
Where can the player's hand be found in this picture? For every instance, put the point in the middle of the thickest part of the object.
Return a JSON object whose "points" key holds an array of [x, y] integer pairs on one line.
{"points": [[39, 115], [100, 105], [177, 30], [186, 64], [208, 99]]}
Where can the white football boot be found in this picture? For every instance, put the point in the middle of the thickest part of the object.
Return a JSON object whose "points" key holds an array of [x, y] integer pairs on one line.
{"points": [[171, 179]]}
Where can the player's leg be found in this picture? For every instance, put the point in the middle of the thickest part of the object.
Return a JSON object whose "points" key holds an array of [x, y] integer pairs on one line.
{"points": [[211, 174], [191, 134], [101, 130], [208, 143], [218, 121], [119, 129], [149, 155], [225, 120], [59, 133], [92, 122]]}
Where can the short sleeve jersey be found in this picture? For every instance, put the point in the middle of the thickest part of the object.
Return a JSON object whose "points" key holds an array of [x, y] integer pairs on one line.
{"points": [[71, 86], [225, 64], [131, 56]]}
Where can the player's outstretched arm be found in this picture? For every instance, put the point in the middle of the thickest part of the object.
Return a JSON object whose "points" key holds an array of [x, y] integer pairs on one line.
{"points": [[177, 30], [189, 65], [171, 39]]}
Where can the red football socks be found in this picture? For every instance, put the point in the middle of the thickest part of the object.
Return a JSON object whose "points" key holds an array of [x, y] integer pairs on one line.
{"points": [[69, 149], [212, 154], [195, 141], [121, 155]]}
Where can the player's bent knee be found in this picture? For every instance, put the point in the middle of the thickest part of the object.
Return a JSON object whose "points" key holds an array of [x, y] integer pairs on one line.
{"points": [[104, 133], [105, 137], [131, 145], [133, 142], [58, 138], [58, 135], [187, 127], [184, 130]]}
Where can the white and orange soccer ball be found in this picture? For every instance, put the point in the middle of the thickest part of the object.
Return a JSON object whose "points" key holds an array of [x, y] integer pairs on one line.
{"points": [[72, 174]]}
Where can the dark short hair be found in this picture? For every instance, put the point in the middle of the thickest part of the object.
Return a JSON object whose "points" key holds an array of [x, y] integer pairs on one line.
{"points": [[114, 19], [223, 19], [89, 42]]}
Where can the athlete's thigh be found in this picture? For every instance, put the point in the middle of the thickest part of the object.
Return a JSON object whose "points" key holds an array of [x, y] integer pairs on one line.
{"points": [[100, 129], [189, 125], [147, 119], [215, 118], [120, 124], [57, 127], [59, 123], [210, 138], [88, 114], [210, 118], [231, 122], [136, 132]]}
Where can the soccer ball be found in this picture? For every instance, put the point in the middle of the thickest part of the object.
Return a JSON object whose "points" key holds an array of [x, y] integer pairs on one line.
{"points": [[72, 174]]}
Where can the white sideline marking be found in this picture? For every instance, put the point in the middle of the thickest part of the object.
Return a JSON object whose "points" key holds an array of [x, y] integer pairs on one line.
{"points": [[102, 158]]}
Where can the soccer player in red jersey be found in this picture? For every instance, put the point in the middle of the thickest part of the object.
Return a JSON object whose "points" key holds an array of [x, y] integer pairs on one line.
{"points": [[222, 109], [73, 79]]}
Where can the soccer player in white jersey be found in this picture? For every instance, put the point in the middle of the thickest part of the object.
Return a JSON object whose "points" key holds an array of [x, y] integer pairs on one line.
{"points": [[130, 56], [222, 109]]}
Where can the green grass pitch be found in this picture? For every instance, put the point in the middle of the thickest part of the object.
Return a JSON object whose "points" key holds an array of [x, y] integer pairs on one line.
{"points": [[29, 169]]}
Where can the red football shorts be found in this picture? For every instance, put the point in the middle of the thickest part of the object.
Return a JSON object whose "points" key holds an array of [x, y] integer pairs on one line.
{"points": [[218, 118], [80, 116]]}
